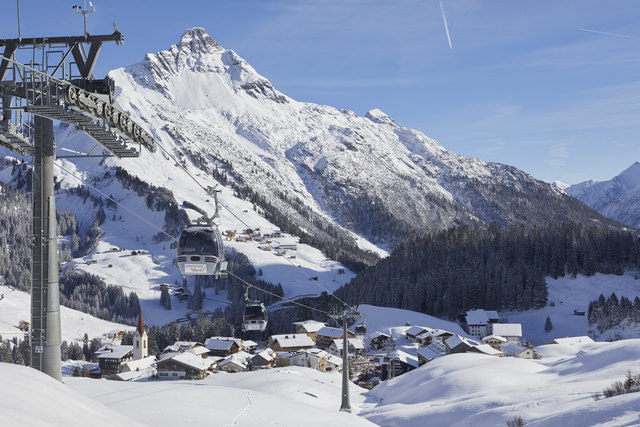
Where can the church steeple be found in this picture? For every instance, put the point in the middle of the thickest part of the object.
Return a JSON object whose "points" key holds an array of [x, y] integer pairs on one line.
{"points": [[140, 327], [140, 340]]}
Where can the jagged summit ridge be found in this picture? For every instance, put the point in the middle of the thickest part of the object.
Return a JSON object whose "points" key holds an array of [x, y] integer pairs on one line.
{"points": [[193, 64], [197, 39]]}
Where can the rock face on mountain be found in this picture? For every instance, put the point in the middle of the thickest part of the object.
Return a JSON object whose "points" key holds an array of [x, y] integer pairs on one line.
{"points": [[618, 198], [316, 170]]}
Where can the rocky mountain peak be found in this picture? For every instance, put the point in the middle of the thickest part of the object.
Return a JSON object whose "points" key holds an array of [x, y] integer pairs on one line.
{"points": [[630, 177], [197, 40]]}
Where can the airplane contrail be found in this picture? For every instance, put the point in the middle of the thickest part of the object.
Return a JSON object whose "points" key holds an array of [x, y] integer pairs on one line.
{"points": [[446, 27], [608, 34]]}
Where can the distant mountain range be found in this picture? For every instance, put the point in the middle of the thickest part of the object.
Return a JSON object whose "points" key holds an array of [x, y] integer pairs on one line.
{"points": [[617, 198]]}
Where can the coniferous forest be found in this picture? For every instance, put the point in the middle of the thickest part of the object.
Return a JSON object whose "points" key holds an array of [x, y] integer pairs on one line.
{"points": [[493, 268]]}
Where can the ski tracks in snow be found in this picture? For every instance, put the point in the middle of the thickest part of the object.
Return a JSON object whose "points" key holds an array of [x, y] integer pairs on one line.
{"points": [[244, 411]]}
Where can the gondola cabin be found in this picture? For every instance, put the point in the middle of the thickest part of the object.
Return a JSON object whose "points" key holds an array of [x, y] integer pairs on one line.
{"points": [[360, 329], [200, 252], [255, 317]]}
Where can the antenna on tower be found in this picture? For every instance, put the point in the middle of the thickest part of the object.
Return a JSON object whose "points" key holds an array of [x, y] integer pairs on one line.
{"points": [[84, 13], [19, 35]]}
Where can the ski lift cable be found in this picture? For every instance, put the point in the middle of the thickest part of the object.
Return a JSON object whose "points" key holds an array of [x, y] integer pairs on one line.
{"points": [[173, 238], [172, 157], [116, 202], [276, 295], [248, 226]]}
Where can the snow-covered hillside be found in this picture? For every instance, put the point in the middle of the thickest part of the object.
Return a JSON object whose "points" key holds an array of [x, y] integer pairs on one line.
{"points": [[618, 198], [16, 306], [472, 389], [568, 294], [305, 161]]}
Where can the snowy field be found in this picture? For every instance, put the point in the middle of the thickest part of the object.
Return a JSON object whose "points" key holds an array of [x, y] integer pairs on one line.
{"points": [[280, 397], [574, 294]]}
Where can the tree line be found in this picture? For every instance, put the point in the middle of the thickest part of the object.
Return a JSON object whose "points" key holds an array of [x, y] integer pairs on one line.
{"points": [[608, 313], [495, 268]]}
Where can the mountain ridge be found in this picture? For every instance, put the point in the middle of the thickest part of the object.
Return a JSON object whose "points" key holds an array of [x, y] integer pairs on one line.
{"points": [[369, 175], [617, 198]]}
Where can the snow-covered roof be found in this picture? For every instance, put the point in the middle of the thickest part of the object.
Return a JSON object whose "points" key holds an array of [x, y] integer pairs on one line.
{"points": [[406, 358], [429, 353], [267, 354], [433, 333], [477, 317], [493, 315], [328, 331], [572, 340], [354, 343], [188, 359], [487, 349], [507, 329], [512, 347], [220, 343], [494, 337], [181, 346], [199, 350], [416, 330], [140, 364], [292, 340], [456, 340], [115, 352], [377, 334], [249, 344], [240, 358], [310, 325]]}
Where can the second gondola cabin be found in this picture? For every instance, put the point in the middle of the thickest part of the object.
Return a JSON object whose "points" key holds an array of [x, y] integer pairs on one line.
{"points": [[201, 252], [254, 317]]}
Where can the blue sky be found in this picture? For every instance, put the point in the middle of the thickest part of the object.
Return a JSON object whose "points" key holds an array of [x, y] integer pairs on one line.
{"points": [[535, 84]]}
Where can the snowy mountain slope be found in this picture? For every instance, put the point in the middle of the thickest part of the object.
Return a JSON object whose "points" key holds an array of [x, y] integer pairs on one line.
{"points": [[618, 198], [307, 161], [472, 389]]}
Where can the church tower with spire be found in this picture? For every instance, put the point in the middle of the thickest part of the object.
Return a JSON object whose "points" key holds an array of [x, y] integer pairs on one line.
{"points": [[140, 340]]}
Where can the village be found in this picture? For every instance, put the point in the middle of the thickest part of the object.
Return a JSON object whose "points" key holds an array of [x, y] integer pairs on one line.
{"points": [[373, 357]]}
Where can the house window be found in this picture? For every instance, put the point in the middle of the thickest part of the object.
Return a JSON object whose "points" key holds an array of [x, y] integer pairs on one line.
{"points": [[137, 344], [175, 374], [144, 344]]}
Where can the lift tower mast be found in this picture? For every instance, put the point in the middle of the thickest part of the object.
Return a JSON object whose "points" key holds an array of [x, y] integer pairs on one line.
{"points": [[32, 97]]}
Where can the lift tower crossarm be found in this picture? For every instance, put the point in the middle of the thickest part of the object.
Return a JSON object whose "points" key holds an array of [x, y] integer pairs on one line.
{"points": [[85, 66]]}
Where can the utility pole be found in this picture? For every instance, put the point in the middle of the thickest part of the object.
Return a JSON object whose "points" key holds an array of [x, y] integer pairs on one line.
{"points": [[346, 313], [346, 403]]}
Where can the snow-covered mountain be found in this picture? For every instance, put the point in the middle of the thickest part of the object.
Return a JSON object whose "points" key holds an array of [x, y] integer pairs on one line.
{"points": [[618, 198], [316, 168]]}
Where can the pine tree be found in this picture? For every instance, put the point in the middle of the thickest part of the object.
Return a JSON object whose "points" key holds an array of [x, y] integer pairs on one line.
{"points": [[548, 326]]}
